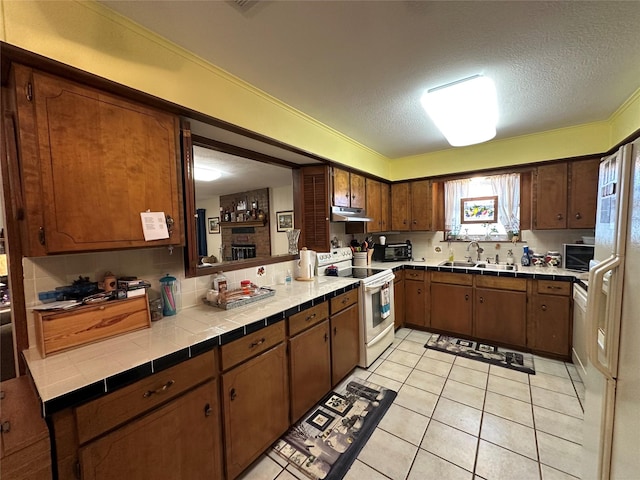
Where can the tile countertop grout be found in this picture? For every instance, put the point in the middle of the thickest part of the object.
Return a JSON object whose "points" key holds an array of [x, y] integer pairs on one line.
{"points": [[93, 370]]}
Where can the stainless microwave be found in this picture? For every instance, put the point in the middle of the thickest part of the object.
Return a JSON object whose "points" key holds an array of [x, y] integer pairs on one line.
{"points": [[392, 252], [576, 256]]}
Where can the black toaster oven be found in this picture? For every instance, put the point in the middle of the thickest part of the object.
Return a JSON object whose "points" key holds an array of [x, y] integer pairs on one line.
{"points": [[393, 252]]}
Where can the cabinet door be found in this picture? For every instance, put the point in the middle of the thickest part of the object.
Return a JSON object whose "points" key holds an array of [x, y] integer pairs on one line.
{"points": [[255, 402], [452, 308], [400, 207], [357, 188], [416, 302], [583, 189], [179, 440], [551, 197], [341, 188], [385, 204], [345, 341], [501, 316], [315, 208], [551, 324], [103, 160], [421, 205], [310, 361], [399, 300], [373, 206]]}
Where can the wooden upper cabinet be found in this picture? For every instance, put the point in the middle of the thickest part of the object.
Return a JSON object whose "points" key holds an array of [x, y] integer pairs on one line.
{"points": [[550, 201], [315, 208], [400, 207], [91, 162], [411, 206], [583, 189], [421, 205], [385, 205], [374, 206], [348, 189]]}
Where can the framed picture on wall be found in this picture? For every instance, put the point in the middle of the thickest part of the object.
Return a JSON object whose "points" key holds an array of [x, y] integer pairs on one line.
{"points": [[214, 224], [479, 210], [284, 220]]}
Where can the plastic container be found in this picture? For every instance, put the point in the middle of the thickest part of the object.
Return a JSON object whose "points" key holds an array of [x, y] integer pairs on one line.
{"points": [[287, 278], [169, 290], [219, 280], [525, 261], [245, 285]]}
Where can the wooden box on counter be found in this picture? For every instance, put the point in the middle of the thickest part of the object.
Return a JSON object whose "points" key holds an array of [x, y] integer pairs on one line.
{"points": [[64, 329]]}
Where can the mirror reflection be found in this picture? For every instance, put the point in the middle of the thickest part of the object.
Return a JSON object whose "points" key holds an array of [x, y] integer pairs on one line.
{"points": [[237, 201]]}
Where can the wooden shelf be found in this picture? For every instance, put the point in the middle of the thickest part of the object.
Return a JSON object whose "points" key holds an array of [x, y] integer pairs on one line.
{"points": [[251, 223]]}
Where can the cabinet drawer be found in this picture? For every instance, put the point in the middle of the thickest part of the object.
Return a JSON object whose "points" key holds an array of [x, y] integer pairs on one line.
{"points": [[105, 413], [414, 274], [343, 301], [503, 283], [250, 345], [550, 287], [398, 276], [63, 330], [452, 278], [307, 318]]}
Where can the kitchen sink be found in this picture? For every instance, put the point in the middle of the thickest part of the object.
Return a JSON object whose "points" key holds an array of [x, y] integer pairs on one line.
{"points": [[457, 264], [483, 265], [496, 266]]}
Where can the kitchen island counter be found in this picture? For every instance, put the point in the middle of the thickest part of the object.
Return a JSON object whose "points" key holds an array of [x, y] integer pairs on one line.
{"points": [[76, 376]]}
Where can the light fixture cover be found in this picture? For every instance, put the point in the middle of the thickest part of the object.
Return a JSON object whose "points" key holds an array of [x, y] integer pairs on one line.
{"points": [[205, 174], [466, 111]]}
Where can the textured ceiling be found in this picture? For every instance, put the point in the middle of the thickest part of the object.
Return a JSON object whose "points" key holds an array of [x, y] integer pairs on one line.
{"points": [[360, 67]]}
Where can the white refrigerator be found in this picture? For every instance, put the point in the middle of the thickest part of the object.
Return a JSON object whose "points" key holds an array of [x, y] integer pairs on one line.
{"points": [[611, 441]]}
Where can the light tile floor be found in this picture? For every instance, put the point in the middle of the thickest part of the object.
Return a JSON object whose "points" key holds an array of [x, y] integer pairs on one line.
{"points": [[456, 418]]}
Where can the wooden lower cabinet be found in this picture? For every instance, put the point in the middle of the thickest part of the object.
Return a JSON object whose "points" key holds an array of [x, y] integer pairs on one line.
{"points": [[550, 326], [310, 368], [345, 341], [501, 316], [415, 292], [452, 308], [255, 404], [399, 299], [178, 440]]}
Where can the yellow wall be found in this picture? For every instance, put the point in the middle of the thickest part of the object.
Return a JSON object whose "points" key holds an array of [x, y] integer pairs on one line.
{"points": [[88, 36]]}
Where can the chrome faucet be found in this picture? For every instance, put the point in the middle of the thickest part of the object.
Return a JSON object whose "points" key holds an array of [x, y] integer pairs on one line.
{"points": [[479, 250]]}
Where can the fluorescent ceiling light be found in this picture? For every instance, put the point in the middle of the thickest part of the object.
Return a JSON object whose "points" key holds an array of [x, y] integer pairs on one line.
{"points": [[466, 111], [205, 174]]}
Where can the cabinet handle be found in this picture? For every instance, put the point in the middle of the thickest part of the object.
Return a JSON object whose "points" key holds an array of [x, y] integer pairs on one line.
{"points": [[309, 318], [415, 221], [170, 223], [559, 216], [544, 308], [481, 299], [162, 389], [335, 331], [259, 342], [466, 297], [5, 427], [578, 216], [232, 394], [345, 300], [553, 287], [41, 237], [419, 291], [28, 91], [208, 410], [326, 338]]}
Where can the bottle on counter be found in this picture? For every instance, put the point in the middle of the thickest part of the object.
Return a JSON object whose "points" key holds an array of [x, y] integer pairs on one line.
{"points": [[219, 280], [287, 278], [451, 255], [525, 260]]}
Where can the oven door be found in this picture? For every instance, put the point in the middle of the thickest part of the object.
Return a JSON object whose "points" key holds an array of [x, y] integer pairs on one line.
{"points": [[377, 301]]}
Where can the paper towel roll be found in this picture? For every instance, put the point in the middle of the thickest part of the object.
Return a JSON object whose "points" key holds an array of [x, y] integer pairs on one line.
{"points": [[306, 264]]}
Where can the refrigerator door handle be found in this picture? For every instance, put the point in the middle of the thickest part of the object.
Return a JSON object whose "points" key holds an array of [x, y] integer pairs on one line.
{"points": [[594, 298]]}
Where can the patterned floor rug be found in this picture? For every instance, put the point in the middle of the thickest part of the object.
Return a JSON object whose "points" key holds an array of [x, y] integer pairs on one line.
{"points": [[482, 352], [325, 443]]}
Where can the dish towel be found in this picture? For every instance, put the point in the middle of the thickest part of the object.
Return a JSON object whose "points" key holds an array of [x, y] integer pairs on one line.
{"points": [[385, 301]]}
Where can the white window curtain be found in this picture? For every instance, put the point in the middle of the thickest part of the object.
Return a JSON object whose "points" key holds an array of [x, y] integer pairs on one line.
{"points": [[454, 190], [507, 188]]}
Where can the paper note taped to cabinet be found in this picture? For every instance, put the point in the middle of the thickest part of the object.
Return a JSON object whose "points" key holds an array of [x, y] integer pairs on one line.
{"points": [[154, 226]]}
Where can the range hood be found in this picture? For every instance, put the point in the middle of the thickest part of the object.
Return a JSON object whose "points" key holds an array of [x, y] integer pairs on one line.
{"points": [[348, 214]]}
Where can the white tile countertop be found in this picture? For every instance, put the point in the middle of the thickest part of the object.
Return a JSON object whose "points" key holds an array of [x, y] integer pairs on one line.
{"points": [[76, 375]]}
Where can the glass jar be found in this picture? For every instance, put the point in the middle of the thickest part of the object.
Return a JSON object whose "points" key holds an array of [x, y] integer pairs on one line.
{"points": [[538, 260], [553, 258]]}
